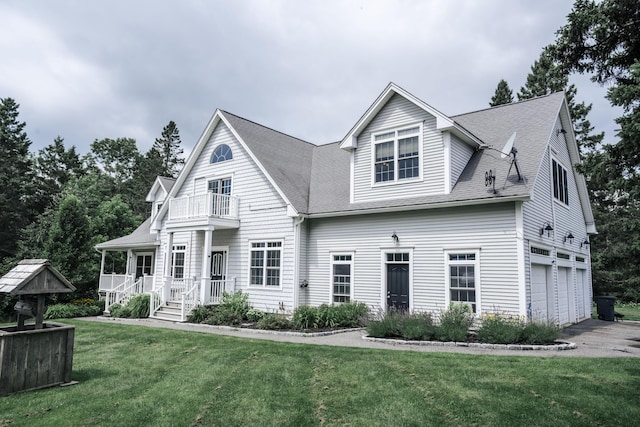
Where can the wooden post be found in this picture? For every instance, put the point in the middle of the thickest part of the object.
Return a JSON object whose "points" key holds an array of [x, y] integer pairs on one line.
{"points": [[40, 311]]}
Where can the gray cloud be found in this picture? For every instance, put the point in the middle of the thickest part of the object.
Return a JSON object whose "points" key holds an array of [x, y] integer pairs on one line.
{"points": [[90, 70]]}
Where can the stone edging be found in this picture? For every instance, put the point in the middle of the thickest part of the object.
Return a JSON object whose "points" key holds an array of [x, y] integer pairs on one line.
{"points": [[555, 347], [269, 331]]}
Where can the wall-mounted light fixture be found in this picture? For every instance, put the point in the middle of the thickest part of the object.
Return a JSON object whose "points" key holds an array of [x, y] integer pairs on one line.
{"points": [[585, 243], [395, 238], [546, 227], [569, 237], [561, 131]]}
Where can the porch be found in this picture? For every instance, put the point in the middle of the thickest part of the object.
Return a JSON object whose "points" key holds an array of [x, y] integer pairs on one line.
{"points": [[206, 209]]}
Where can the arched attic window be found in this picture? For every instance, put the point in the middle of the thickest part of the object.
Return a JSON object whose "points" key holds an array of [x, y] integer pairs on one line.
{"points": [[221, 154]]}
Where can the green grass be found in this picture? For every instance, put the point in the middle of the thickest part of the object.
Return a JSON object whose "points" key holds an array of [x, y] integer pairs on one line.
{"points": [[631, 310], [138, 376]]}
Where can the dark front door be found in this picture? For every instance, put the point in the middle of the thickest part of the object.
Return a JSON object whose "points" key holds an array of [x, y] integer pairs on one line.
{"points": [[398, 286], [218, 265]]}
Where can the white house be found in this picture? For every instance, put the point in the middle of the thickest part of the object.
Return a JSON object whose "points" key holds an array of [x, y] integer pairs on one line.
{"points": [[402, 212]]}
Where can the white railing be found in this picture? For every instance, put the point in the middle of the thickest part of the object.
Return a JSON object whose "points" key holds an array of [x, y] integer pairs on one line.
{"points": [[155, 301], [215, 289], [108, 282], [178, 287], [121, 294], [190, 299], [203, 206]]}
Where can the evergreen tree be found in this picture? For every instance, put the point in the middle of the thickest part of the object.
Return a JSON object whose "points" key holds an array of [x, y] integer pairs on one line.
{"points": [[15, 176], [602, 39], [547, 77], [169, 149], [503, 94], [69, 245]]}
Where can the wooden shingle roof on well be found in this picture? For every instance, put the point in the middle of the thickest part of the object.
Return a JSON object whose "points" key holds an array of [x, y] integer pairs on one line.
{"points": [[34, 276]]}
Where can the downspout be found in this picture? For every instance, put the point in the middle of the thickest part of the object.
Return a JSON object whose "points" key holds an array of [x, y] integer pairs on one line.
{"points": [[296, 259]]}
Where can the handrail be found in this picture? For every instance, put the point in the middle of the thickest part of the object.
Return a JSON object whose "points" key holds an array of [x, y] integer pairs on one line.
{"points": [[155, 301], [189, 301], [203, 205], [123, 292]]}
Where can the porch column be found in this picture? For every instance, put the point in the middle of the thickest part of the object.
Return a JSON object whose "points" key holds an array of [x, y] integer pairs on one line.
{"points": [[100, 284], [206, 266], [129, 263], [167, 268]]}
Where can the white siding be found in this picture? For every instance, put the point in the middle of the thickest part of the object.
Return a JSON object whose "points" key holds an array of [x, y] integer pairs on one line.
{"points": [[399, 112], [460, 155], [263, 217], [491, 229]]}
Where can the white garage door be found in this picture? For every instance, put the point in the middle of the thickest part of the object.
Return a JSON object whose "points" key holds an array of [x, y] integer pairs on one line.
{"points": [[563, 295], [539, 299], [582, 294]]}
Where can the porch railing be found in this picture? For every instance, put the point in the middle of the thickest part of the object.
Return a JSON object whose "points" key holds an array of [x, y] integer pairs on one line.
{"points": [[108, 282], [190, 299], [178, 287], [155, 301], [203, 205], [215, 289], [121, 293]]}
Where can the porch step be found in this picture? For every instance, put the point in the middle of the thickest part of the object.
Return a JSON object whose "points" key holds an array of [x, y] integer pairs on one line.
{"points": [[170, 311]]}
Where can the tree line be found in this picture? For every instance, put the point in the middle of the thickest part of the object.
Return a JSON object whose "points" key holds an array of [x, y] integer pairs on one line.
{"points": [[57, 204], [601, 39]]}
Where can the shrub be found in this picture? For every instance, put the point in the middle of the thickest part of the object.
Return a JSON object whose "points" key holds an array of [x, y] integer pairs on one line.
{"points": [[117, 310], [387, 325], [540, 333], [223, 315], [198, 314], [139, 306], [417, 326], [455, 323], [304, 317], [254, 315], [351, 314], [274, 321], [500, 329], [238, 302], [66, 311]]}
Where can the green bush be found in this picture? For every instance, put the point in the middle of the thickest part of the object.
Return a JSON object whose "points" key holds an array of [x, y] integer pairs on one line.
{"points": [[117, 310], [455, 323], [305, 317], [274, 321], [223, 315], [540, 333], [254, 315], [198, 314], [237, 302], [351, 314], [66, 311], [500, 329], [417, 326], [139, 306], [387, 325]]}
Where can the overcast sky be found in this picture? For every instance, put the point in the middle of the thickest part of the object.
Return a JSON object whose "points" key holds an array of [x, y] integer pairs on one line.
{"points": [[89, 70]]}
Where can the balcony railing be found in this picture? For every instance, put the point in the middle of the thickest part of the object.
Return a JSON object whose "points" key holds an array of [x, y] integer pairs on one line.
{"points": [[203, 206]]}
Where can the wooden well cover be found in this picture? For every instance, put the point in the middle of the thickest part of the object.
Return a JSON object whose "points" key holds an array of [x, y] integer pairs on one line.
{"points": [[34, 277]]}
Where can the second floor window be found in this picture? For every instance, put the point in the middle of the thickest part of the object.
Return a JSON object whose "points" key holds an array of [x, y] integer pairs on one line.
{"points": [[397, 155], [560, 183]]}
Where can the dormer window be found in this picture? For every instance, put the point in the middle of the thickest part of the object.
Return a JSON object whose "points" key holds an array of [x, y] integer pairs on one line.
{"points": [[396, 154], [221, 153]]}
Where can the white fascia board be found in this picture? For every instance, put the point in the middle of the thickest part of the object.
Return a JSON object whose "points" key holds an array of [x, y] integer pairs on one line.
{"points": [[151, 195], [191, 161]]}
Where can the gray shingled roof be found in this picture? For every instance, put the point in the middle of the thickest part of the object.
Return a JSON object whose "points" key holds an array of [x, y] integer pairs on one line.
{"points": [[34, 276], [286, 159], [140, 237], [167, 182]]}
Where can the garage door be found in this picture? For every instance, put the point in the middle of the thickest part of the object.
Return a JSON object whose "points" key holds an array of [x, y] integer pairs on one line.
{"points": [[581, 294], [539, 299], [563, 295]]}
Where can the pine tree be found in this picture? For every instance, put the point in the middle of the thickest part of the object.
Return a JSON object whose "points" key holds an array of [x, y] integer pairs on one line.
{"points": [[503, 94], [547, 77], [169, 150], [15, 176]]}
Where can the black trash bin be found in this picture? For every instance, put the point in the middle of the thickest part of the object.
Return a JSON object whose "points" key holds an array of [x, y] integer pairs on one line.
{"points": [[604, 305]]}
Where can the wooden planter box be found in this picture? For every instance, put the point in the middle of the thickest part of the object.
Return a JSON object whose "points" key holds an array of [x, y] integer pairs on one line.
{"points": [[35, 358]]}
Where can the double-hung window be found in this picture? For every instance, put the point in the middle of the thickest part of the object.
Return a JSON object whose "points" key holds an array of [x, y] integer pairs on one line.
{"points": [[463, 278], [397, 154], [178, 255], [341, 277], [265, 264], [560, 183]]}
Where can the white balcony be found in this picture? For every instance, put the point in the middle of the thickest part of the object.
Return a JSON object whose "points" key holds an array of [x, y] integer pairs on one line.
{"points": [[203, 208]]}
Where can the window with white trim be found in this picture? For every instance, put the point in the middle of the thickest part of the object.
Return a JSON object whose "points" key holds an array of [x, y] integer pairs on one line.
{"points": [[265, 264], [341, 277], [178, 256], [396, 154], [221, 153], [560, 183], [462, 275]]}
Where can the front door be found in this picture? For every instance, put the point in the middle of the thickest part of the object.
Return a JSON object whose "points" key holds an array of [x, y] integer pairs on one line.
{"points": [[398, 286], [218, 265]]}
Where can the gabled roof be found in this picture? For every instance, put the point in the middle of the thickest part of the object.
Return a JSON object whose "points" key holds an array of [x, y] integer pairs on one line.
{"points": [[34, 276], [163, 182], [443, 122], [140, 237], [286, 159]]}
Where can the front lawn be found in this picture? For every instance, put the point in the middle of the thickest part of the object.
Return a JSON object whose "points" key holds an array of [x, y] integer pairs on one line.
{"points": [[139, 376]]}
